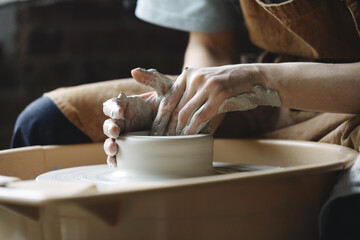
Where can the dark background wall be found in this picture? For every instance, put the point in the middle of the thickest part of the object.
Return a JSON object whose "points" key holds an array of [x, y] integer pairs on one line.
{"points": [[48, 45]]}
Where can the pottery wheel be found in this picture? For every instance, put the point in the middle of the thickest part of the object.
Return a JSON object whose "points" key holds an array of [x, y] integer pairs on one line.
{"points": [[102, 176]]}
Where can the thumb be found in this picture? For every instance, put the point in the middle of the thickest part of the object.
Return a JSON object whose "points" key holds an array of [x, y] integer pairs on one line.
{"points": [[151, 77]]}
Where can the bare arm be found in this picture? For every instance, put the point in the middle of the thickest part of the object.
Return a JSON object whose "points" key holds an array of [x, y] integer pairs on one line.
{"points": [[315, 86], [211, 49], [305, 86]]}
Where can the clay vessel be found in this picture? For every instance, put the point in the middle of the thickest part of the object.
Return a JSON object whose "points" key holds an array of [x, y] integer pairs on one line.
{"points": [[166, 156]]}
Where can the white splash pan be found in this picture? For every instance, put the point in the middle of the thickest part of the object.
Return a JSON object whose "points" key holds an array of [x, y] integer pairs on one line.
{"points": [[278, 203]]}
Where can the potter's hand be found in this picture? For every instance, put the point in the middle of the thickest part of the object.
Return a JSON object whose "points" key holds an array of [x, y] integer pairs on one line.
{"points": [[133, 113], [200, 94], [242, 102]]}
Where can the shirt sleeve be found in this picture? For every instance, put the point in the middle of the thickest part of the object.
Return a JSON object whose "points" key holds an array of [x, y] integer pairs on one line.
{"points": [[191, 15]]}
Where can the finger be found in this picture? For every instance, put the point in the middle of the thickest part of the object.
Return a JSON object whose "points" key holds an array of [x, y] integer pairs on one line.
{"points": [[111, 161], [172, 125], [110, 147], [203, 116], [115, 107], [200, 119], [145, 96], [112, 127], [187, 111], [152, 100], [151, 77], [167, 106]]}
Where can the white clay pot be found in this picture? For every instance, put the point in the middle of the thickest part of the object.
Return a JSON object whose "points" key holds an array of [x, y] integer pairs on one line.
{"points": [[165, 156]]}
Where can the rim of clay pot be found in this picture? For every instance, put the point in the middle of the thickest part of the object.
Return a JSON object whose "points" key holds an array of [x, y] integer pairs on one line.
{"points": [[146, 134]]}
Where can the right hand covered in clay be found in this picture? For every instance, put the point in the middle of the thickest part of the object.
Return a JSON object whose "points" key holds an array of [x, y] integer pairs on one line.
{"points": [[133, 113], [200, 94]]}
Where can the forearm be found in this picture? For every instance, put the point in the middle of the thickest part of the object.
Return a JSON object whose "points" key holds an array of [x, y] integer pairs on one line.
{"points": [[315, 86], [211, 49]]}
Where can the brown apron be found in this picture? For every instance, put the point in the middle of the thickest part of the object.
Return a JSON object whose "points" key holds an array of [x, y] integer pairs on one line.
{"points": [[302, 28], [314, 29]]}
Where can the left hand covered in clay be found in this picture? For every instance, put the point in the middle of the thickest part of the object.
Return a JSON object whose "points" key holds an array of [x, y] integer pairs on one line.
{"points": [[200, 94], [133, 113]]}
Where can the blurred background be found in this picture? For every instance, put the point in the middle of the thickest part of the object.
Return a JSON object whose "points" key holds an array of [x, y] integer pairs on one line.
{"points": [[49, 44]]}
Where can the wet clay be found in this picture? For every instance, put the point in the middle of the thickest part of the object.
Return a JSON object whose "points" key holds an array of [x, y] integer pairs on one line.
{"points": [[137, 112], [258, 95], [165, 155]]}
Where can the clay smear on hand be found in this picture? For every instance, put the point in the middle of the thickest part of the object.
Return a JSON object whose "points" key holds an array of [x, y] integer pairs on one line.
{"points": [[151, 77], [136, 112], [258, 95]]}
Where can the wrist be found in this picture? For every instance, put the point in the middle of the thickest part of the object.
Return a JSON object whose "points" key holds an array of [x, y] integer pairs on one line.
{"points": [[262, 81], [252, 73], [264, 75]]}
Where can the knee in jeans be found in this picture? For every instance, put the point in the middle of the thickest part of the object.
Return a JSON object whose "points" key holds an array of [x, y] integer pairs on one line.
{"points": [[30, 123], [42, 123]]}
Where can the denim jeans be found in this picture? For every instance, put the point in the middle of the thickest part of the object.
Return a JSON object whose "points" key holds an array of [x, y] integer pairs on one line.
{"points": [[42, 123]]}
